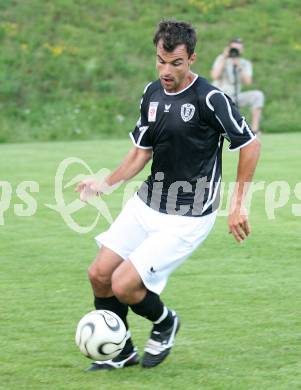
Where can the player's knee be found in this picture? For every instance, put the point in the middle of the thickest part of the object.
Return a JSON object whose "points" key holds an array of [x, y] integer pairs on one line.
{"points": [[97, 277], [119, 288]]}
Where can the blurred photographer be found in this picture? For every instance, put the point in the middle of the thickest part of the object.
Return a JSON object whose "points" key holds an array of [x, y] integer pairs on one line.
{"points": [[229, 72]]}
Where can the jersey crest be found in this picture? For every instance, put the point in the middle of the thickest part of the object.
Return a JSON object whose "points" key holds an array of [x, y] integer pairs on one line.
{"points": [[187, 111]]}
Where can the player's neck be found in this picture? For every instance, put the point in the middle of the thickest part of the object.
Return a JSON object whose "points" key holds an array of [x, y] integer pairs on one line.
{"points": [[186, 84], [189, 79]]}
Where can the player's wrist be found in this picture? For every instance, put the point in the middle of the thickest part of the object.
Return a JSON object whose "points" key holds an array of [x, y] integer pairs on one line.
{"points": [[107, 186], [237, 202], [102, 187]]}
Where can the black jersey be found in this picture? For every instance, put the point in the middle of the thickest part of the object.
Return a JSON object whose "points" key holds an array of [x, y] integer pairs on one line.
{"points": [[186, 131]]}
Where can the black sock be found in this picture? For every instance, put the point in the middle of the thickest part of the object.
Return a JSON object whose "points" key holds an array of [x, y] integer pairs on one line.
{"points": [[121, 309], [112, 304], [165, 323], [152, 308]]}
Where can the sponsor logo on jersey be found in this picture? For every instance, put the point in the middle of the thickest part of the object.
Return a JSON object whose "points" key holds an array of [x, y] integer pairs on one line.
{"points": [[152, 111], [167, 107], [143, 128], [187, 111]]}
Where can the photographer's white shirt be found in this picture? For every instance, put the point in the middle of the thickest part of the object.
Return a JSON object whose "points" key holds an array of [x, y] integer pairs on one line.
{"points": [[227, 80]]}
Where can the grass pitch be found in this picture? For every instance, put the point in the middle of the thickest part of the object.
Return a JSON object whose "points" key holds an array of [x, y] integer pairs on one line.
{"points": [[239, 304]]}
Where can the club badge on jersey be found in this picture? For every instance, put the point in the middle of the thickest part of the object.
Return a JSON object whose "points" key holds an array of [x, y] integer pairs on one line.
{"points": [[187, 111], [152, 111]]}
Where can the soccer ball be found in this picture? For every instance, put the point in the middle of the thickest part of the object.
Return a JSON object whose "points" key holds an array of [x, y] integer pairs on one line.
{"points": [[100, 335]]}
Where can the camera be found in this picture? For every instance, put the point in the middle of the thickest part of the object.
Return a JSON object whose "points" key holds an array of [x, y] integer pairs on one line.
{"points": [[234, 52]]}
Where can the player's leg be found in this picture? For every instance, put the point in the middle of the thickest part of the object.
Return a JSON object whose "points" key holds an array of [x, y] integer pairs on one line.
{"points": [[140, 280], [128, 286], [100, 274], [123, 236]]}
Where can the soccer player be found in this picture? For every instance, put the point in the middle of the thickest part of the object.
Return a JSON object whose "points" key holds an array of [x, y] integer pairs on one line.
{"points": [[182, 125]]}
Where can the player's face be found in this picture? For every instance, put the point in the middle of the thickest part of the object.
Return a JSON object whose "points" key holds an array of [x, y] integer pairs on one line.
{"points": [[174, 67]]}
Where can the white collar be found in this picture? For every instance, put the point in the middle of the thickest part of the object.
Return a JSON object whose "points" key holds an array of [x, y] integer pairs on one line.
{"points": [[182, 90]]}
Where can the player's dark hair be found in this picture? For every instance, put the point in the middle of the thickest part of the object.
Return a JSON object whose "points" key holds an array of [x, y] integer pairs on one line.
{"points": [[174, 33]]}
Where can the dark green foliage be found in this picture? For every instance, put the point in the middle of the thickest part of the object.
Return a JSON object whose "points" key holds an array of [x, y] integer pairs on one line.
{"points": [[76, 69]]}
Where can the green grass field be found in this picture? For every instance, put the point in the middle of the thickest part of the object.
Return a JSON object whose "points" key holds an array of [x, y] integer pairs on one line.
{"points": [[239, 304]]}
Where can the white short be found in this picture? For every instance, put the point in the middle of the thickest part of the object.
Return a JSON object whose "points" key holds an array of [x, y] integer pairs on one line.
{"points": [[154, 242]]}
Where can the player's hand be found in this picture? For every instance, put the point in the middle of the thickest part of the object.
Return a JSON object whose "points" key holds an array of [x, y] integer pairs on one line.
{"points": [[88, 188], [238, 223]]}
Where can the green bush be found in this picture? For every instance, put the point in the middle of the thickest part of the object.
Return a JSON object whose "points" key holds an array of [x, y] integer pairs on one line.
{"points": [[75, 69]]}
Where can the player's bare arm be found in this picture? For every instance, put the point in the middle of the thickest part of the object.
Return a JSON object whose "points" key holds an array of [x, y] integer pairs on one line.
{"points": [[133, 163], [238, 219]]}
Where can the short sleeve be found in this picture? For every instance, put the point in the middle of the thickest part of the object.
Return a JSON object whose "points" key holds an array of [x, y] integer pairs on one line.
{"points": [[236, 129], [140, 135]]}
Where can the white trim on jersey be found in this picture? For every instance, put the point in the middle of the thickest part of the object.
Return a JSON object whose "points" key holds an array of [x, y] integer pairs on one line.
{"points": [[228, 138], [142, 130], [248, 128], [245, 144], [207, 204], [137, 145], [211, 198], [211, 182], [221, 123], [210, 94], [147, 85], [188, 86], [145, 89]]}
